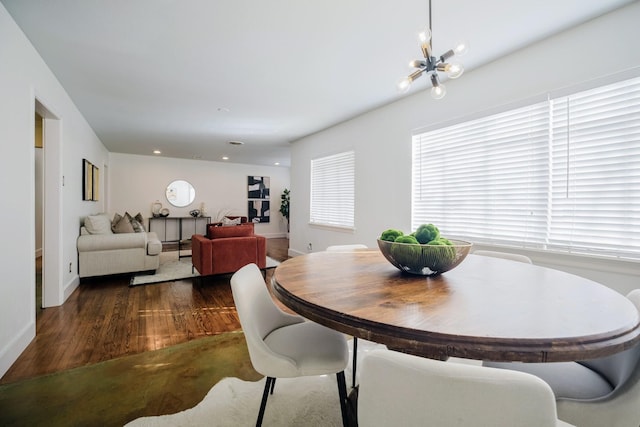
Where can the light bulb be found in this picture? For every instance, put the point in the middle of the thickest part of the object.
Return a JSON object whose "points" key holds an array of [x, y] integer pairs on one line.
{"points": [[424, 36], [403, 85], [438, 92], [455, 70], [461, 48]]}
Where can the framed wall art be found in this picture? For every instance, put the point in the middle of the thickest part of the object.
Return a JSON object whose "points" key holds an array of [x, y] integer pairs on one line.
{"points": [[87, 180], [90, 181], [258, 188], [95, 180]]}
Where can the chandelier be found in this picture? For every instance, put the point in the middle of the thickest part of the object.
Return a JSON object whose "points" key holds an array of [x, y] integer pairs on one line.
{"points": [[432, 65]]}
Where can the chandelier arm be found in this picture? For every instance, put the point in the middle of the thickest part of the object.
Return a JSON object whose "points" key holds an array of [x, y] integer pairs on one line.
{"points": [[415, 75], [426, 50], [448, 54]]}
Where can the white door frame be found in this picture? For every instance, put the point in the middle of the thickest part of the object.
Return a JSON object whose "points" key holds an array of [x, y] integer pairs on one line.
{"points": [[52, 285]]}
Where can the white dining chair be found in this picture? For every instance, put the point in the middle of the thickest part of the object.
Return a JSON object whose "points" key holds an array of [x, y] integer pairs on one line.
{"points": [[282, 345], [505, 255], [348, 248], [593, 393], [398, 389]]}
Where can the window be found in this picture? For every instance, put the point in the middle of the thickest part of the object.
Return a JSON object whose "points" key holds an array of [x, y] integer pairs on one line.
{"points": [[563, 174], [333, 190]]}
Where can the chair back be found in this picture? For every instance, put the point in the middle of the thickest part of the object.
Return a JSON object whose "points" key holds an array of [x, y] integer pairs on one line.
{"points": [[618, 368], [399, 389], [259, 316], [346, 248], [505, 255]]}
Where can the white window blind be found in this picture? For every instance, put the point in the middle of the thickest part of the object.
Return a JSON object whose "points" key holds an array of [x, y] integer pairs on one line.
{"points": [[562, 174], [485, 179], [333, 190], [595, 203]]}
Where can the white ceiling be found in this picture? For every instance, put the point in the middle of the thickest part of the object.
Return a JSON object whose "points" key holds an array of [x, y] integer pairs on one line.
{"points": [[188, 76]]}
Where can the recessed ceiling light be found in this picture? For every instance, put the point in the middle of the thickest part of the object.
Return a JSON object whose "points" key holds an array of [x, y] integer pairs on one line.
{"points": [[236, 142], [277, 163], [157, 152], [225, 158]]}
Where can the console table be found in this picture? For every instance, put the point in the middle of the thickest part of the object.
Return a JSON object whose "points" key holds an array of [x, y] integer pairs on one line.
{"points": [[178, 229]]}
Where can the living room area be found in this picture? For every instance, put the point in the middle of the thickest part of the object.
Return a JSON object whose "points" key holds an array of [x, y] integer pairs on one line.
{"points": [[214, 195]]}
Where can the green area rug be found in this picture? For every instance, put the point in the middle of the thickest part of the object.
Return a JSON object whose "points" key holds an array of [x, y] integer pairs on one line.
{"points": [[114, 392], [303, 401]]}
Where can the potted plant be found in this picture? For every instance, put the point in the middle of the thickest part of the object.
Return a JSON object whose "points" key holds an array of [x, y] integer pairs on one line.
{"points": [[284, 206]]}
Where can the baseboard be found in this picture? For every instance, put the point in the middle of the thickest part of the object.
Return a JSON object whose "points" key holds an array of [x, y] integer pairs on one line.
{"points": [[293, 253], [10, 353], [70, 287], [273, 235]]}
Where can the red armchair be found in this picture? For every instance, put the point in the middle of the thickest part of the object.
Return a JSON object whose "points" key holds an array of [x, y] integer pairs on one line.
{"points": [[227, 249]]}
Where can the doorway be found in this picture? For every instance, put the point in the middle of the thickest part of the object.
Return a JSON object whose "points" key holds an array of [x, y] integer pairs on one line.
{"points": [[51, 201], [39, 203]]}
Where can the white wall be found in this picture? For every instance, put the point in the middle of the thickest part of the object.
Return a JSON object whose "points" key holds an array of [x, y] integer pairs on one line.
{"points": [[137, 181], [24, 77], [382, 138]]}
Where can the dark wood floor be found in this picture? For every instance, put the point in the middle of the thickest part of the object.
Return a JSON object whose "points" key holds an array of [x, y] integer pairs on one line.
{"points": [[105, 318]]}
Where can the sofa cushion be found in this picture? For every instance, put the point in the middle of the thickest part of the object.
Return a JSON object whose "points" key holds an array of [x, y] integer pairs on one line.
{"points": [[241, 230], [110, 242], [98, 224]]}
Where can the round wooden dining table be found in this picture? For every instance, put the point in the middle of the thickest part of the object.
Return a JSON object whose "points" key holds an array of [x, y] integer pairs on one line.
{"points": [[486, 308]]}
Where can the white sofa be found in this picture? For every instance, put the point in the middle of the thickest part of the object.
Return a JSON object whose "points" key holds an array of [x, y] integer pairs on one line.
{"points": [[102, 252]]}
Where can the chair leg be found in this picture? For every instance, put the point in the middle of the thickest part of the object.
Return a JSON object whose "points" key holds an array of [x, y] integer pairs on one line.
{"points": [[355, 358], [342, 392], [265, 395], [273, 384]]}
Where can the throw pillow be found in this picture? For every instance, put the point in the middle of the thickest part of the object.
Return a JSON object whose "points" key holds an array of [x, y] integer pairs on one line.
{"points": [[123, 225], [98, 224], [135, 223], [116, 219], [140, 220], [242, 230], [228, 221]]}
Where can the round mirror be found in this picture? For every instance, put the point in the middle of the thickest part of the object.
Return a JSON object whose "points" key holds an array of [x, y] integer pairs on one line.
{"points": [[180, 193]]}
